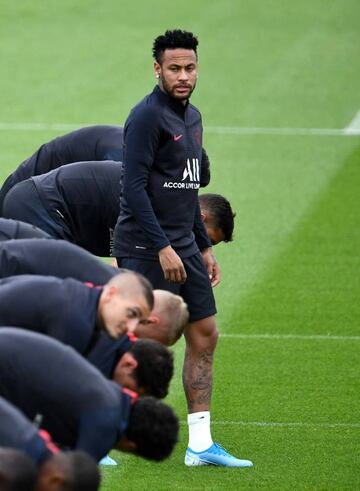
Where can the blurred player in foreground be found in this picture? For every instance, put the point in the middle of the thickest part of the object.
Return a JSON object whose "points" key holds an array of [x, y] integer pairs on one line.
{"points": [[74, 402], [51, 468]]}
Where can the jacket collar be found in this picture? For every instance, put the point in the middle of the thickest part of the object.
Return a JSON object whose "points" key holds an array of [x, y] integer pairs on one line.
{"points": [[178, 106]]}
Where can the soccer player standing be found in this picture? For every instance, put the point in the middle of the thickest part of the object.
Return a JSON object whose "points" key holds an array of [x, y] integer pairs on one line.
{"points": [[160, 232]]}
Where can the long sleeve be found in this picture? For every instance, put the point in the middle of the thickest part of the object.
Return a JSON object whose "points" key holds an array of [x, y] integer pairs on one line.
{"points": [[140, 143]]}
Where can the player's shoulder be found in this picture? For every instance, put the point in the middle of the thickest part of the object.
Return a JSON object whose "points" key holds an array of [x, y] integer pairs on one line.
{"points": [[194, 110], [147, 109]]}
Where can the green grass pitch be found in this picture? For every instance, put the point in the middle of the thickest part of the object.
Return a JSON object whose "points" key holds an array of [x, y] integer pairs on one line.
{"points": [[286, 389]]}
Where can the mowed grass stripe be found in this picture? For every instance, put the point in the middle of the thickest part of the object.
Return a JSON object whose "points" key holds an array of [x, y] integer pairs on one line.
{"points": [[313, 282], [281, 337], [272, 188], [226, 130]]}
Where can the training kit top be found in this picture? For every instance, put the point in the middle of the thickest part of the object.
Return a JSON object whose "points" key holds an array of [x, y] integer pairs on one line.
{"points": [[14, 229], [17, 432], [90, 143], [84, 199], [65, 309], [70, 398], [162, 162], [52, 258]]}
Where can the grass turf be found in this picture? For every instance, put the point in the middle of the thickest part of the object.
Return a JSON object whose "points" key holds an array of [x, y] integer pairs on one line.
{"points": [[289, 404]]}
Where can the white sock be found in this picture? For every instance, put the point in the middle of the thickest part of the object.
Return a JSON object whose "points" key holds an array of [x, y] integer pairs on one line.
{"points": [[199, 431]]}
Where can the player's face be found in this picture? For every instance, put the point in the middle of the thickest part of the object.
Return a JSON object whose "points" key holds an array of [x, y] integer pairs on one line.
{"points": [[215, 234], [121, 314], [124, 373], [125, 445], [177, 72]]}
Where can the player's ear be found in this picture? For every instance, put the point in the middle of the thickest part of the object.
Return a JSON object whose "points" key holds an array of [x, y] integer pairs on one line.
{"points": [[203, 215], [153, 320], [129, 360], [109, 292], [157, 69]]}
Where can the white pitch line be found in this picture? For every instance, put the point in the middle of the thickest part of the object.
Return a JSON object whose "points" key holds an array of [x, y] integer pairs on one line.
{"points": [[41, 126], [242, 130], [353, 128], [221, 130], [305, 337], [285, 425]]}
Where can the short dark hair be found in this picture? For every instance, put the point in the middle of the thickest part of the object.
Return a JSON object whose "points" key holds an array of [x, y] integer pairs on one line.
{"points": [[153, 427], [172, 40], [155, 367], [205, 169], [219, 210], [85, 472], [17, 471], [80, 471]]}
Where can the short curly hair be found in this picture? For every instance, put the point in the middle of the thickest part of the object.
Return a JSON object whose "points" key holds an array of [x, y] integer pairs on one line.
{"points": [[176, 38], [155, 367], [153, 427]]}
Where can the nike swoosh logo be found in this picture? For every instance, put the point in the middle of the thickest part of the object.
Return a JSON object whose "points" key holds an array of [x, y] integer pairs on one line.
{"points": [[177, 137]]}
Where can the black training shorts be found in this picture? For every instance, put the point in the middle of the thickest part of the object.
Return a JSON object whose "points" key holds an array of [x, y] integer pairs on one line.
{"points": [[196, 291]]}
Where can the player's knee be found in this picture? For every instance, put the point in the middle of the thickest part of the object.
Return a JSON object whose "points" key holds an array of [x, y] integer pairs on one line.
{"points": [[214, 335], [202, 332]]}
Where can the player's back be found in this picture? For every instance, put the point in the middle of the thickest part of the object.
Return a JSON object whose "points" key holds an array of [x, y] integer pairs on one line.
{"points": [[86, 197], [41, 376], [15, 229], [65, 309], [101, 142], [52, 258]]}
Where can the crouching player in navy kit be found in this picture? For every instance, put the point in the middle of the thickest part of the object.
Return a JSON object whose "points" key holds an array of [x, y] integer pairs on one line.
{"points": [[74, 312], [51, 468], [52, 258], [14, 229], [62, 259], [102, 142], [74, 402], [77, 202], [159, 232]]}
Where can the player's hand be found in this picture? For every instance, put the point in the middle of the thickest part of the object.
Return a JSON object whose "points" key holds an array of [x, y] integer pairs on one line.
{"points": [[172, 265], [212, 266]]}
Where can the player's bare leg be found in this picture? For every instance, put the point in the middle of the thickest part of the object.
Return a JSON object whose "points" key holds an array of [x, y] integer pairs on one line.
{"points": [[201, 338]]}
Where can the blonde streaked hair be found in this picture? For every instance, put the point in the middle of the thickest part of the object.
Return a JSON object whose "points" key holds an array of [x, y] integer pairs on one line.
{"points": [[173, 312]]}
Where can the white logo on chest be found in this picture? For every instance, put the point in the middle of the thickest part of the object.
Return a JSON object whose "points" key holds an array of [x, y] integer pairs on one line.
{"points": [[192, 170]]}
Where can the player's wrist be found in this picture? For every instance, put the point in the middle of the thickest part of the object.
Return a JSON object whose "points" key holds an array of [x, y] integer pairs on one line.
{"points": [[165, 249]]}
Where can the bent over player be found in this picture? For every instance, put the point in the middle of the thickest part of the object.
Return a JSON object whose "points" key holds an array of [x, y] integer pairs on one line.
{"points": [[74, 402]]}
